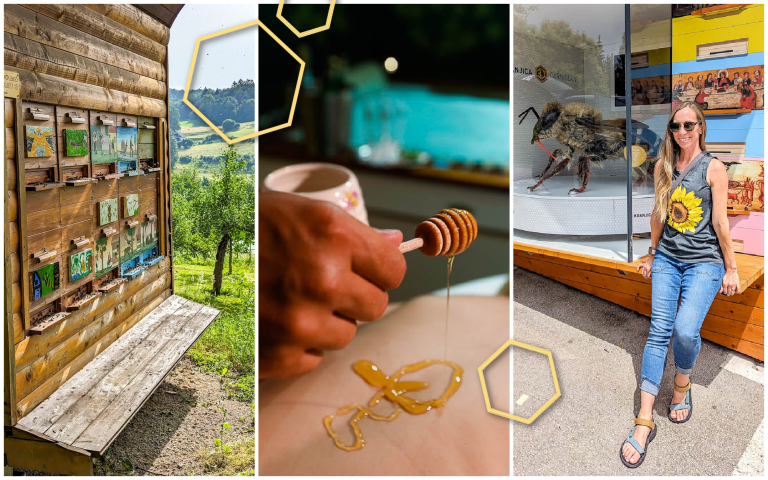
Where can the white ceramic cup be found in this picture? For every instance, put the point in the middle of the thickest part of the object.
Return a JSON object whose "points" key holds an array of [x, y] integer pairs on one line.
{"points": [[321, 181]]}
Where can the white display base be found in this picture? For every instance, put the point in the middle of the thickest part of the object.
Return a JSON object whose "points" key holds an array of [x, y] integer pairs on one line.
{"points": [[612, 247], [600, 210]]}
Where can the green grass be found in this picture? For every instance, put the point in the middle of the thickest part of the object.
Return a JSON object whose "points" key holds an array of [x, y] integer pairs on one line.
{"points": [[198, 131], [227, 347], [234, 460]]}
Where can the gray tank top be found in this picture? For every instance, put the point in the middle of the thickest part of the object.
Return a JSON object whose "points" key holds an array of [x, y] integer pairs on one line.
{"points": [[689, 235]]}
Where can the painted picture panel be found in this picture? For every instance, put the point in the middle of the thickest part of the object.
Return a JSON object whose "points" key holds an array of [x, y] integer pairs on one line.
{"points": [[76, 142], [148, 234], [726, 88], [131, 205], [107, 255], [130, 243], [746, 186], [107, 211], [40, 141], [127, 143], [103, 144], [80, 264], [43, 281]]}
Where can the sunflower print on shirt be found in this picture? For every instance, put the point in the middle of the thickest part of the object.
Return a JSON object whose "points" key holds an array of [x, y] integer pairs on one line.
{"points": [[684, 211]]}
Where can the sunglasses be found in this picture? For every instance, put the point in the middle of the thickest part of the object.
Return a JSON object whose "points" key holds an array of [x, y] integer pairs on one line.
{"points": [[689, 126]]}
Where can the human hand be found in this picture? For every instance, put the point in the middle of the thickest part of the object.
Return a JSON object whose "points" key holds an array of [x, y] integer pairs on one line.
{"points": [[320, 269], [646, 267], [731, 284]]}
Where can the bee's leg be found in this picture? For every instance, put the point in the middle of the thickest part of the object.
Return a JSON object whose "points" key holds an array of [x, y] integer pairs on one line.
{"points": [[583, 174], [551, 161], [563, 162]]}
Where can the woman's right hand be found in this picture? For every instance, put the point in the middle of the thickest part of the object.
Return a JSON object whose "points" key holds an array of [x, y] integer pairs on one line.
{"points": [[647, 267]]}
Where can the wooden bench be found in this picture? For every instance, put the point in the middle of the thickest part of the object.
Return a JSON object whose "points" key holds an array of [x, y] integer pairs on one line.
{"points": [[736, 322], [85, 415]]}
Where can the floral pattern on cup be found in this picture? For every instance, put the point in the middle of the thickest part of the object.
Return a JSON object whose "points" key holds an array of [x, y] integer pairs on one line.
{"points": [[350, 200]]}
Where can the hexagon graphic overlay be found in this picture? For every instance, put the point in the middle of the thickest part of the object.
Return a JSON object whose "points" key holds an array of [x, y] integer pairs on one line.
{"points": [[308, 32], [192, 70], [517, 418]]}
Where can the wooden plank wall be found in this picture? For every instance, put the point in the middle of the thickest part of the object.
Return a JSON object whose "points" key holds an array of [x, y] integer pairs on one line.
{"points": [[736, 322], [81, 59]]}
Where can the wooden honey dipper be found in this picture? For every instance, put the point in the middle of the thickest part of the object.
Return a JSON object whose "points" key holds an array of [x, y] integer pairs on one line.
{"points": [[449, 233]]}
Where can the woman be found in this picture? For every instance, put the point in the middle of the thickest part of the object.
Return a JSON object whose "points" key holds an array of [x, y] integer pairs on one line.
{"points": [[690, 241]]}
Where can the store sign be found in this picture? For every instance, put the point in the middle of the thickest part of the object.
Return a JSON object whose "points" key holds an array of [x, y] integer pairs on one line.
{"points": [[541, 73], [11, 84]]}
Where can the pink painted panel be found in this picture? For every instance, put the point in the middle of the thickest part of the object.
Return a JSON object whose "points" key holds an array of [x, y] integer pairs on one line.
{"points": [[753, 221], [754, 242]]}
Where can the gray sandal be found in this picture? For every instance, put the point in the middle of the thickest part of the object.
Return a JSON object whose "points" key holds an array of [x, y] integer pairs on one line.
{"points": [[686, 405], [642, 451]]}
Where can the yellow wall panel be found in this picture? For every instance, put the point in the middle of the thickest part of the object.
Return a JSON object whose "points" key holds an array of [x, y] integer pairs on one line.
{"points": [[659, 57], [700, 23], [684, 46]]}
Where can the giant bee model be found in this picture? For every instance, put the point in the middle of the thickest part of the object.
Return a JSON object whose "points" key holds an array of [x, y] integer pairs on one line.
{"points": [[580, 129]]}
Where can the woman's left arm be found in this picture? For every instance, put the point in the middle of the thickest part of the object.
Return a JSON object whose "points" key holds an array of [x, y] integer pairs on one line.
{"points": [[717, 178]]}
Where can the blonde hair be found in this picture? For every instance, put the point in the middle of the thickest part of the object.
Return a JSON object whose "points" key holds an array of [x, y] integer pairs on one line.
{"points": [[670, 151]]}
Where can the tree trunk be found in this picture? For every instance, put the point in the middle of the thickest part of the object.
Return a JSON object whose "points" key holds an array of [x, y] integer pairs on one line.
{"points": [[230, 256], [218, 269]]}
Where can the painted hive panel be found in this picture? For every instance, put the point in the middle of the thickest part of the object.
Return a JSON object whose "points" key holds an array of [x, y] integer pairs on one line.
{"points": [[746, 182], [76, 142], [107, 255], [107, 211], [104, 142], [724, 88], [80, 264], [43, 281], [131, 205], [40, 141]]}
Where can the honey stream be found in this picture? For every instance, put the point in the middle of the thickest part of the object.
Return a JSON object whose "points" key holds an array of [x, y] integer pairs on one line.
{"points": [[394, 390], [448, 303]]}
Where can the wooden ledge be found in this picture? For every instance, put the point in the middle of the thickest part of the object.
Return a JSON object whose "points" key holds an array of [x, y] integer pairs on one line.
{"points": [[44, 186], [91, 409], [727, 111], [750, 267]]}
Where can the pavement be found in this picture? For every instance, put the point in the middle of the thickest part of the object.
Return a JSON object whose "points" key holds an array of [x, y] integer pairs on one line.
{"points": [[597, 348]]}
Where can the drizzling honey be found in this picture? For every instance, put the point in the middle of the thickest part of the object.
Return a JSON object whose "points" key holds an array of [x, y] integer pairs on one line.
{"points": [[394, 390], [448, 303]]}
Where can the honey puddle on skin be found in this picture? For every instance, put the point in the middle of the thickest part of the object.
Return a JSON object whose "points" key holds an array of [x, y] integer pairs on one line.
{"points": [[394, 390]]}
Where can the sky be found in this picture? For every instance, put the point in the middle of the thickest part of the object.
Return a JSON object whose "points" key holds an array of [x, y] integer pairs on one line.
{"points": [[221, 60]]}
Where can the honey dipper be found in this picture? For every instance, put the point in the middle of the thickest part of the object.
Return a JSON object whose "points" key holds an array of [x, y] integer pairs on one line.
{"points": [[449, 232]]}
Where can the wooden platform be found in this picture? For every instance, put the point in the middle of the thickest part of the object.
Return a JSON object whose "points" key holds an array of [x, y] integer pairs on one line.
{"points": [[736, 322], [94, 406]]}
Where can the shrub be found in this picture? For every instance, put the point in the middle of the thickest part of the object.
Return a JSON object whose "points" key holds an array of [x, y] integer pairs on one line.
{"points": [[229, 125]]}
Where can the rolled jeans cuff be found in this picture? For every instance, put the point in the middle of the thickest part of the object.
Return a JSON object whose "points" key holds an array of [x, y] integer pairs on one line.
{"points": [[650, 387], [683, 371]]}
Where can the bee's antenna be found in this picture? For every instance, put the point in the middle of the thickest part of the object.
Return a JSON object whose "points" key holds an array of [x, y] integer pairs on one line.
{"points": [[525, 114]]}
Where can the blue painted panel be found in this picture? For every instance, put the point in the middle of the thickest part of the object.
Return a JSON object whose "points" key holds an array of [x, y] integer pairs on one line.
{"points": [[753, 137], [651, 71], [755, 119], [738, 61]]}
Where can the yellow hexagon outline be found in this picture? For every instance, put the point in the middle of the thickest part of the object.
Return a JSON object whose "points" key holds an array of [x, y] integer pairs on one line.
{"points": [[518, 418], [308, 32], [260, 132]]}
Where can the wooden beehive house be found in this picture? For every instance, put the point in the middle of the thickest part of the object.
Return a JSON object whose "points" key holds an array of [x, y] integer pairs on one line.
{"points": [[88, 247]]}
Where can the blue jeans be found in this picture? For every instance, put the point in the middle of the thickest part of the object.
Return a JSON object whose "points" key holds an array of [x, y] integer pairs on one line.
{"points": [[696, 285]]}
